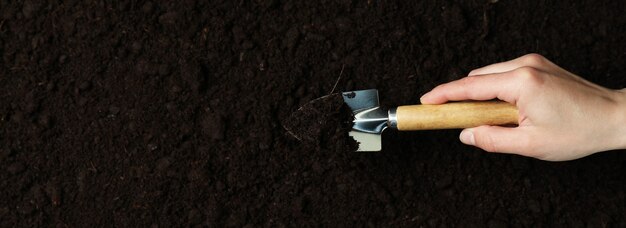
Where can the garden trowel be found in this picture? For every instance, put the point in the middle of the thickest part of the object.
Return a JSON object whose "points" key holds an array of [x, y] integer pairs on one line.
{"points": [[370, 120]]}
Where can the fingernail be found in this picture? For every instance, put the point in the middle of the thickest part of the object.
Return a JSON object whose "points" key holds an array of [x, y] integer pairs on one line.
{"points": [[422, 98], [467, 137]]}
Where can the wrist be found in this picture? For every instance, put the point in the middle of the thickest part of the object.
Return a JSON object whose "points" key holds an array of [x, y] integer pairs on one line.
{"points": [[620, 119]]}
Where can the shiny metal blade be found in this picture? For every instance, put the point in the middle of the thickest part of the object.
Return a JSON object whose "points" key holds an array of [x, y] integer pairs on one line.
{"points": [[361, 99], [368, 142], [369, 119]]}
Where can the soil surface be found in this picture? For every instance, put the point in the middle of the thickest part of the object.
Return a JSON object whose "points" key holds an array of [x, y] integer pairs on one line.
{"points": [[322, 121], [165, 114]]}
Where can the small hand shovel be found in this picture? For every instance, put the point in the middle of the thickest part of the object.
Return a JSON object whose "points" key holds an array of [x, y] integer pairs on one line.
{"points": [[370, 120]]}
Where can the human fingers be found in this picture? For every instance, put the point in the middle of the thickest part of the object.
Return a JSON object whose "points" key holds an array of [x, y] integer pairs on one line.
{"points": [[530, 60], [498, 139], [505, 86]]}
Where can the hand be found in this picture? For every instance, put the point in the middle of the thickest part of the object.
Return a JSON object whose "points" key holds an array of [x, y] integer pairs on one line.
{"points": [[561, 116]]}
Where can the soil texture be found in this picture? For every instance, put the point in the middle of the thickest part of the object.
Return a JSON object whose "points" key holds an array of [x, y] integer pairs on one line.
{"points": [[322, 121], [170, 113]]}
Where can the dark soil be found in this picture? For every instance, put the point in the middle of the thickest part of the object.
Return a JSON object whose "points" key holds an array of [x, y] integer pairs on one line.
{"points": [[169, 113], [322, 121]]}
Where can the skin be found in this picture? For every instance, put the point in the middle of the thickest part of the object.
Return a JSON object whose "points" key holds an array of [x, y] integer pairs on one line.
{"points": [[562, 116]]}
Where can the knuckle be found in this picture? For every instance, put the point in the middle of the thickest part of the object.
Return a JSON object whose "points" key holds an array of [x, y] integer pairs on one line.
{"points": [[526, 72], [529, 75], [487, 142], [468, 80], [533, 59]]}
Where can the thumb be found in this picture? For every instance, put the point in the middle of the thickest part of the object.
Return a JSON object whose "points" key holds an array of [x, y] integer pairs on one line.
{"points": [[496, 139]]}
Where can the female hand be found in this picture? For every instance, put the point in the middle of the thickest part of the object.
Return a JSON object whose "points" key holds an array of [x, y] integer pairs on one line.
{"points": [[562, 116]]}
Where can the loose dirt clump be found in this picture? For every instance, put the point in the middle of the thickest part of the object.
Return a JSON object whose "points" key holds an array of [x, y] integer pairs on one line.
{"points": [[322, 121]]}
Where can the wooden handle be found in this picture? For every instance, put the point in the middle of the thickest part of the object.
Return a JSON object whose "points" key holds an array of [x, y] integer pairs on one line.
{"points": [[455, 115]]}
